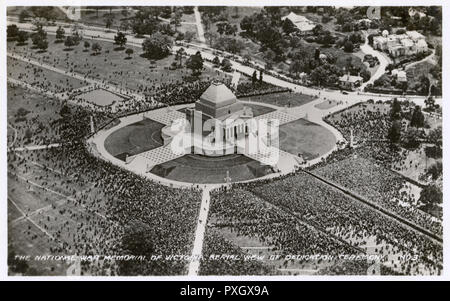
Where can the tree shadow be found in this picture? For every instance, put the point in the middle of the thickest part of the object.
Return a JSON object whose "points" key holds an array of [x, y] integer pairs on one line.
{"points": [[120, 48]]}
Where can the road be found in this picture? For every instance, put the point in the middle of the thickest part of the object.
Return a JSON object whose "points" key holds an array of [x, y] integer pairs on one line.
{"points": [[427, 58], [383, 59], [194, 264], [275, 79], [198, 22]]}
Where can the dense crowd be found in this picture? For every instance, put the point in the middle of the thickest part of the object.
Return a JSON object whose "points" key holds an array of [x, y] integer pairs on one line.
{"points": [[322, 207], [246, 215], [233, 261], [381, 186], [366, 121], [103, 202]]}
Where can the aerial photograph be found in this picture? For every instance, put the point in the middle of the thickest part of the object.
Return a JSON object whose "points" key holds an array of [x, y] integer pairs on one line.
{"points": [[224, 141]]}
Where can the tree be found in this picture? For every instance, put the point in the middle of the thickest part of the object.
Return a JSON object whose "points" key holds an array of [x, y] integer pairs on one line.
{"points": [[431, 196], [189, 36], [288, 26], [22, 37], [394, 133], [317, 53], [60, 34], [176, 18], [226, 28], [261, 76], [317, 29], [12, 31], [129, 52], [86, 45], [179, 56], [69, 42], [108, 21], [195, 63], [247, 24], [435, 136], [120, 39], [417, 118], [411, 138], [296, 67], [435, 170], [348, 46], [429, 103], [38, 36], [42, 45], [216, 61], [65, 111], [396, 109], [157, 46], [23, 16], [254, 78], [96, 48], [226, 65], [210, 36]]}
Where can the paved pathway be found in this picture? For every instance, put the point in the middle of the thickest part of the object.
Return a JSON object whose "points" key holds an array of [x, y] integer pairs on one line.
{"points": [[427, 58], [198, 22], [36, 147], [194, 264], [382, 58]]}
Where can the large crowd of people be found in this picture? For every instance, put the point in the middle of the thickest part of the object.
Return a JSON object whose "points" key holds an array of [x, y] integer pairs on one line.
{"points": [[110, 211], [381, 186], [102, 201], [355, 224]]}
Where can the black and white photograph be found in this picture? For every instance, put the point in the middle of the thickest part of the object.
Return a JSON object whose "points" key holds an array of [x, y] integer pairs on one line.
{"points": [[157, 139]]}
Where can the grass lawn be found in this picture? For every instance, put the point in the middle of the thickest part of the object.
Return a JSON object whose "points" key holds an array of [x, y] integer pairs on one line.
{"points": [[41, 77], [285, 99], [42, 111], [28, 197], [112, 65], [134, 139], [13, 212], [414, 163], [417, 71], [26, 239], [308, 139]]}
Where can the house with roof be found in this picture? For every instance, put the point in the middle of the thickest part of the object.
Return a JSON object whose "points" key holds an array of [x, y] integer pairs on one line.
{"points": [[350, 82], [409, 43], [303, 24]]}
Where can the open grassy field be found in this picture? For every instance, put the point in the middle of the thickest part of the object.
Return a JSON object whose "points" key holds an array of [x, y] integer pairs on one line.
{"points": [[53, 217], [134, 139], [41, 112], [112, 65], [285, 99], [417, 71], [302, 137], [24, 239], [41, 77]]}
